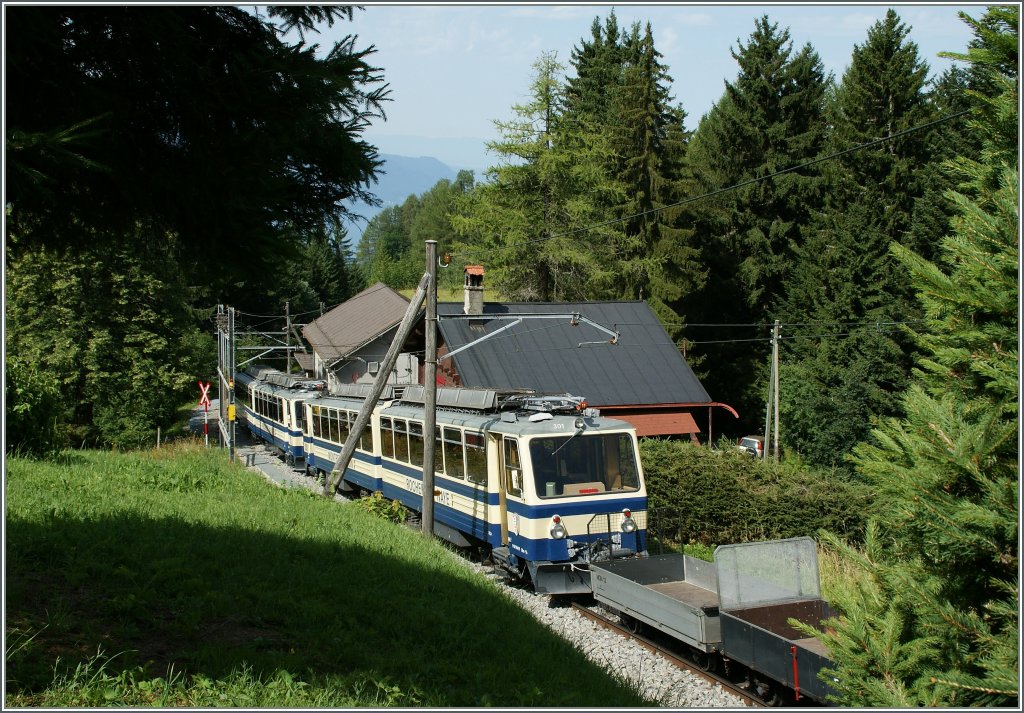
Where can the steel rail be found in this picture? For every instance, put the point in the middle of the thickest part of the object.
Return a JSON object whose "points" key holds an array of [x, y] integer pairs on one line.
{"points": [[673, 658]]}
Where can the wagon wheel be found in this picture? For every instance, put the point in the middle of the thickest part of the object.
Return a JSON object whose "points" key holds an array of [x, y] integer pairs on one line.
{"points": [[631, 624], [769, 694], [703, 660]]}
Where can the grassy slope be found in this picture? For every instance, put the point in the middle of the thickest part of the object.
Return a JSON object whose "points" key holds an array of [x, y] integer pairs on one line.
{"points": [[171, 577]]}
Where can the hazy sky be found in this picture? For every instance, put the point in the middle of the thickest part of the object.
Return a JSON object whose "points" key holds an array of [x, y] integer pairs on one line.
{"points": [[455, 68]]}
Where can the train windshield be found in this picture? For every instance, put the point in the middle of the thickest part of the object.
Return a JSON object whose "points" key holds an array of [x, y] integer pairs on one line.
{"points": [[565, 466]]}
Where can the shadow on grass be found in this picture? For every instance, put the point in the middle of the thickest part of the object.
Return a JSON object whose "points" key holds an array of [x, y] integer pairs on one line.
{"points": [[165, 592]]}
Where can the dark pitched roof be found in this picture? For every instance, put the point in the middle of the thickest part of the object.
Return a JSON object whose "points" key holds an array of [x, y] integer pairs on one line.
{"points": [[356, 322], [645, 367]]}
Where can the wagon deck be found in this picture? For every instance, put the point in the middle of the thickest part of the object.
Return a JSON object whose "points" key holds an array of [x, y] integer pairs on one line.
{"points": [[673, 593]]}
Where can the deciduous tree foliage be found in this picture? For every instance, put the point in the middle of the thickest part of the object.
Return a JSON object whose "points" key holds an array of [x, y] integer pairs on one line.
{"points": [[159, 159], [202, 120], [934, 619]]}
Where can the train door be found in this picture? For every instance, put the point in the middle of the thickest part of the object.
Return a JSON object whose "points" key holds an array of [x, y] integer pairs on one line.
{"points": [[496, 443], [511, 488]]}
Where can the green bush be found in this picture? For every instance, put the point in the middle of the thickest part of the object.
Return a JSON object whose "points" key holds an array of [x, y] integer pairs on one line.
{"points": [[723, 496], [34, 411]]}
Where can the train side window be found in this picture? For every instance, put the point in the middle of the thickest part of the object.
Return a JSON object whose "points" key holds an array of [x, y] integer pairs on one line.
{"points": [[343, 426], [438, 451], [416, 445], [387, 438], [314, 422], [279, 408], [401, 440], [476, 458], [365, 436], [513, 468], [332, 424], [300, 415], [453, 460]]}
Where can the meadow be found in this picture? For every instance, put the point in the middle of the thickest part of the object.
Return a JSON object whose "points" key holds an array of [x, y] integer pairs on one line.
{"points": [[171, 577]]}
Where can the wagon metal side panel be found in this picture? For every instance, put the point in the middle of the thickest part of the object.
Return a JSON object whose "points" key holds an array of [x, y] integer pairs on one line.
{"points": [[673, 593], [762, 639]]}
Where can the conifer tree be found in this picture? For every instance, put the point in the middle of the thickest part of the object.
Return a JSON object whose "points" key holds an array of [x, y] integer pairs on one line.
{"points": [[769, 119], [654, 258], [547, 186], [843, 276], [933, 620]]}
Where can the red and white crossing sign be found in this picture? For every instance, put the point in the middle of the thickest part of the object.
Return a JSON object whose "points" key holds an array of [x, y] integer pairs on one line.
{"points": [[204, 399]]}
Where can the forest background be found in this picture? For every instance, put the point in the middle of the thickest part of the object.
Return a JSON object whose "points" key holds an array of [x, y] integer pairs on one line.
{"points": [[164, 160]]}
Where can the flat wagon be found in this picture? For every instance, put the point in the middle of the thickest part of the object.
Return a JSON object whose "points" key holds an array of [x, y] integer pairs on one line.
{"points": [[674, 593]]}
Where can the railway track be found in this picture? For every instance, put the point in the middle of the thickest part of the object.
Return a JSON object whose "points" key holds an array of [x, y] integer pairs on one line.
{"points": [[669, 655]]}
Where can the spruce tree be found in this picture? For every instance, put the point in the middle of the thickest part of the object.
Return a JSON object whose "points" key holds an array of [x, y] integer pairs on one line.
{"points": [[654, 258], [933, 620], [769, 119], [843, 276]]}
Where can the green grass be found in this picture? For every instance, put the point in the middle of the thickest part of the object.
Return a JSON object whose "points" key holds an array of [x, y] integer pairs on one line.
{"points": [[173, 578]]}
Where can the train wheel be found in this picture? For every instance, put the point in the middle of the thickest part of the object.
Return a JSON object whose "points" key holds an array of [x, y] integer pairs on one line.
{"points": [[704, 660]]}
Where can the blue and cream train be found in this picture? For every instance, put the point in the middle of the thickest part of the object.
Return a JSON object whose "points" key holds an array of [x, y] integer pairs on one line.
{"points": [[542, 484]]}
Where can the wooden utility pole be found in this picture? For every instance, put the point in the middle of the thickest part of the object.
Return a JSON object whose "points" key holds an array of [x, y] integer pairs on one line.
{"points": [[430, 391], [287, 337], [363, 418], [768, 413], [775, 385]]}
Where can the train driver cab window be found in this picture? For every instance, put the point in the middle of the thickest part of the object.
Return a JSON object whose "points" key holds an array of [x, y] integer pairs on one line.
{"points": [[513, 468], [566, 466]]}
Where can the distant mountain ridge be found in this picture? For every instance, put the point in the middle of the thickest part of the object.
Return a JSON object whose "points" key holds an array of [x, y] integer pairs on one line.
{"points": [[400, 177]]}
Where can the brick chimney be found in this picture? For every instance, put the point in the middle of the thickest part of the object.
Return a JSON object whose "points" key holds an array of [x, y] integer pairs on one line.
{"points": [[473, 290]]}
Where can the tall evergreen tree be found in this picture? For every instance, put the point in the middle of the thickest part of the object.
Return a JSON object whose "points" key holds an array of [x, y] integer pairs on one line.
{"points": [[654, 258], [934, 619], [524, 218], [204, 121], [769, 119], [843, 276]]}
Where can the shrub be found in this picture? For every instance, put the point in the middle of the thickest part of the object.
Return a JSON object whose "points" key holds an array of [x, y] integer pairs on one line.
{"points": [[723, 496], [34, 411]]}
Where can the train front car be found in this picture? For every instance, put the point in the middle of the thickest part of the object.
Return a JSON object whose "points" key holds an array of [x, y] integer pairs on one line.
{"points": [[575, 496], [546, 484]]}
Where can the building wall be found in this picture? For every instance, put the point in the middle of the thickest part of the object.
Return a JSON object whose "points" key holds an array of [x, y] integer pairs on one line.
{"points": [[356, 369]]}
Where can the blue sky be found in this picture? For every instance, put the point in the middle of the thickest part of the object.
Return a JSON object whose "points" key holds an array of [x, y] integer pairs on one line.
{"points": [[454, 69]]}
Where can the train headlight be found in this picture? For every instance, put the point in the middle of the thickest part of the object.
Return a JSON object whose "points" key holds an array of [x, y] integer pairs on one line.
{"points": [[628, 523], [557, 528]]}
